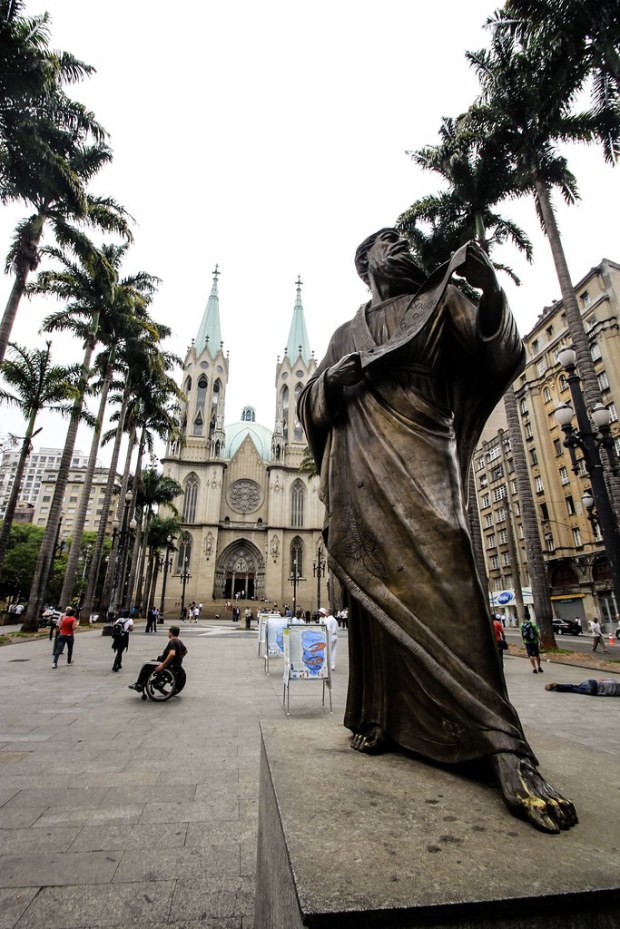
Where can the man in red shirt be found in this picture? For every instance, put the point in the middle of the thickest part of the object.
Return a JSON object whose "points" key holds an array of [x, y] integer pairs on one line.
{"points": [[66, 630]]}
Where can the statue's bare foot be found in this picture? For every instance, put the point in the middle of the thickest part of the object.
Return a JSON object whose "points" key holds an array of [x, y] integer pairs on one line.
{"points": [[372, 742], [529, 796]]}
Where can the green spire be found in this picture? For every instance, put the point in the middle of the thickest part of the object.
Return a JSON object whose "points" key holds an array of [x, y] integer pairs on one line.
{"points": [[298, 337], [209, 331]]}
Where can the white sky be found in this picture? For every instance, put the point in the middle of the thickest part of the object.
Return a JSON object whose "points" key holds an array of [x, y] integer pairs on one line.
{"points": [[270, 138]]}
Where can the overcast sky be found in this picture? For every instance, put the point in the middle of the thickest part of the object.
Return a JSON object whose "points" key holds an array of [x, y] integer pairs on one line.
{"points": [[271, 138]]}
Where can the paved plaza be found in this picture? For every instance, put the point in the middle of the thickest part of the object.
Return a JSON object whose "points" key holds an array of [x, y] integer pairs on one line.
{"points": [[118, 812]]}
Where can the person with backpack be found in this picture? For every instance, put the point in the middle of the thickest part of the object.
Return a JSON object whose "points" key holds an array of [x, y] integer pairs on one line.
{"points": [[531, 639], [172, 656], [120, 639]]}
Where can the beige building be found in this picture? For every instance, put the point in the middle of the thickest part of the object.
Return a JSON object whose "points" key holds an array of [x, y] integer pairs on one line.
{"points": [[579, 573], [72, 499], [39, 464], [249, 515]]}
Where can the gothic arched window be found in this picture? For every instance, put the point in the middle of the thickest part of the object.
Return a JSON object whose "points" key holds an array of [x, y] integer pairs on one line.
{"points": [[217, 386], [298, 432], [297, 557], [297, 504], [284, 401], [184, 555], [190, 498]]}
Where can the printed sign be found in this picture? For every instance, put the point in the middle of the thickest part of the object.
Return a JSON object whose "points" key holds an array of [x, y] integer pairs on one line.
{"points": [[273, 637], [306, 653]]}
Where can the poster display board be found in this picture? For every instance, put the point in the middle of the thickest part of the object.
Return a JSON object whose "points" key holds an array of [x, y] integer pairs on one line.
{"points": [[306, 658], [274, 643], [263, 616]]}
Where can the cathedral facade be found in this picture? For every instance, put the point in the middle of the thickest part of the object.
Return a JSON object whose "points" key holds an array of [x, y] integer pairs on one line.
{"points": [[250, 518]]}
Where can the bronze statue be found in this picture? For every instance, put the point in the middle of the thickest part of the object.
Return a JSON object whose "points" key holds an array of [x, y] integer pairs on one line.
{"points": [[392, 416]]}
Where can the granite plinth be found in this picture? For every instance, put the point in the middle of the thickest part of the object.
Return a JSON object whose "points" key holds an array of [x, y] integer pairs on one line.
{"points": [[347, 841]]}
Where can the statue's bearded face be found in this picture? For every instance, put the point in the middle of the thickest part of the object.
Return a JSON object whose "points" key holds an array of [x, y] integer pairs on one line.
{"points": [[389, 259]]}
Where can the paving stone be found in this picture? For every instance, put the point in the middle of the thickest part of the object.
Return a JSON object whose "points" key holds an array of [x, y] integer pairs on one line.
{"points": [[33, 841], [13, 903], [58, 869], [100, 906], [129, 837]]}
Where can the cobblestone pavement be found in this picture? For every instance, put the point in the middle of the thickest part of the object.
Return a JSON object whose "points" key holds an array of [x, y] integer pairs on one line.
{"points": [[116, 812]]}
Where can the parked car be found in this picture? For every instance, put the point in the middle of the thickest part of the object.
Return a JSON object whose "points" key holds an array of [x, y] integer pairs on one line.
{"points": [[567, 626]]}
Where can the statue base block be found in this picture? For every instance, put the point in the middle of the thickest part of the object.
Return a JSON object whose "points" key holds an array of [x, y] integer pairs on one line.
{"points": [[349, 841]]}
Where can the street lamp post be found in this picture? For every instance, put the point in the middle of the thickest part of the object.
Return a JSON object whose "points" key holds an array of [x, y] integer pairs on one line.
{"points": [[128, 545], [590, 436], [167, 565], [185, 576], [318, 570], [295, 573]]}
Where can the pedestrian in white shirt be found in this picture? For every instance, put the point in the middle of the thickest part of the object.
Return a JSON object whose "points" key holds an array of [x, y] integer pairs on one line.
{"points": [[597, 635], [332, 630]]}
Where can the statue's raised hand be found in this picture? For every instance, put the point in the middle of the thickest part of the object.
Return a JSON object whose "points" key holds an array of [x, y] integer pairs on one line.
{"points": [[346, 372], [478, 270]]}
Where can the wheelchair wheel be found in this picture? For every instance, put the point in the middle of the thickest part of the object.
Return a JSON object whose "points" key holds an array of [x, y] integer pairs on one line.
{"points": [[161, 685]]}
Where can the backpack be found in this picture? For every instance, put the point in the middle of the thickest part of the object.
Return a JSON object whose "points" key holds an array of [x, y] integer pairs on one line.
{"points": [[118, 629], [528, 633]]}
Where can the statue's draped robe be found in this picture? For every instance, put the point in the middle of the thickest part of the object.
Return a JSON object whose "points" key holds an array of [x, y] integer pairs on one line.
{"points": [[393, 453]]}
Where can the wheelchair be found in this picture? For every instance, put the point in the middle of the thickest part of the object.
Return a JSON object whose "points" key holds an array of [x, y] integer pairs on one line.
{"points": [[162, 685]]}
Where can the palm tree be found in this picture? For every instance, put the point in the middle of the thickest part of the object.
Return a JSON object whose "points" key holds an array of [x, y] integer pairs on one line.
{"points": [[582, 31], [36, 385], [156, 491], [123, 317], [62, 211], [525, 108]]}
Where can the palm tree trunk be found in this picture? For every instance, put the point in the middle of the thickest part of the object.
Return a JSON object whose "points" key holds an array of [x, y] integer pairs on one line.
{"points": [[68, 583], [536, 563], [107, 503], [27, 261], [17, 481], [574, 319], [106, 593], [46, 552], [137, 562]]}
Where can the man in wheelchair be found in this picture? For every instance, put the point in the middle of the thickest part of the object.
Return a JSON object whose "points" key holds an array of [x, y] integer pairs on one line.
{"points": [[165, 677]]}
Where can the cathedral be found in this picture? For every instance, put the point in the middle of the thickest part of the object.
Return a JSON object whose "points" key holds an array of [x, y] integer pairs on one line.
{"points": [[250, 518]]}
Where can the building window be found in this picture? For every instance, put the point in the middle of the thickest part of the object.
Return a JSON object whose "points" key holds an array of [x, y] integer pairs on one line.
{"points": [[497, 473], [577, 538], [528, 431], [486, 500], [613, 416], [184, 554], [481, 463], [586, 300], [523, 407], [506, 558], [503, 537], [570, 506], [190, 498], [491, 540], [563, 382], [297, 557], [542, 367], [549, 542], [501, 514], [488, 520], [499, 493], [538, 483], [595, 352], [297, 504], [484, 481], [564, 476], [495, 561], [547, 395], [603, 381], [558, 447], [494, 453], [533, 456]]}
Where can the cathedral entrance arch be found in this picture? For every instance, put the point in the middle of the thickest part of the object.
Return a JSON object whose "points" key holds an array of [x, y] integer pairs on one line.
{"points": [[240, 572]]}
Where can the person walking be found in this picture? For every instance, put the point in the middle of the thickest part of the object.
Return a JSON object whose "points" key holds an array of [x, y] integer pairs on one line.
{"points": [[66, 630], [500, 638], [331, 622], [120, 639], [591, 687], [597, 635], [530, 634]]}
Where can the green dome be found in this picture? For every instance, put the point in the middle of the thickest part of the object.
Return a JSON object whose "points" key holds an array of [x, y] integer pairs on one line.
{"points": [[236, 433]]}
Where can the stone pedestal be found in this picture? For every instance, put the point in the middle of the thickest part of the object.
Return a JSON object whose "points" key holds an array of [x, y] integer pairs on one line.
{"points": [[349, 841]]}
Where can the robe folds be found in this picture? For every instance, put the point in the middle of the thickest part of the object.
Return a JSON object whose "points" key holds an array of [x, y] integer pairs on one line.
{"points": [[393, 453]]}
